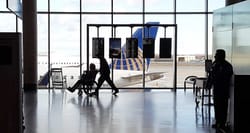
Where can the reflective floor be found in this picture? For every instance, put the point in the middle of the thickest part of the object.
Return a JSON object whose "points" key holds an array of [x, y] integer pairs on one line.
{"points": [[58, 111]]}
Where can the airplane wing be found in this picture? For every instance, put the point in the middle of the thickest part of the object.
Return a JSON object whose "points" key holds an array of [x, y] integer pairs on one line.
{"points": [[77, 66], [137, 78], [151, 75]]}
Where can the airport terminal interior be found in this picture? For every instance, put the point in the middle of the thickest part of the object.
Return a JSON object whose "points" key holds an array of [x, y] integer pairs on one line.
{"points": [[159, 53]]}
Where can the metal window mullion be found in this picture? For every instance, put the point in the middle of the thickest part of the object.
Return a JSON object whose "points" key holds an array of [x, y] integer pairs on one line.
{"points": [[49, 67], [80, 37]]}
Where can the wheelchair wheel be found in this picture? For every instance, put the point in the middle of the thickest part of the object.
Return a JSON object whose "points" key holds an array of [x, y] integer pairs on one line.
{"points": [[90, 88]]}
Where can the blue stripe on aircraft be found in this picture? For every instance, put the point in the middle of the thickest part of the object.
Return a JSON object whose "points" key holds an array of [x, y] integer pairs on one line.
{"points": [[118, 64], [137, 65], [124, 64], [131, 64]]}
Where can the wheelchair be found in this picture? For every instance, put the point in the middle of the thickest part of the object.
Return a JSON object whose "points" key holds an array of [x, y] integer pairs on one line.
{"points": [[89, 84]]}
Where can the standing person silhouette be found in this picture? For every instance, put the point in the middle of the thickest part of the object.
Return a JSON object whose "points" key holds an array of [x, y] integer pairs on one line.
{"points": [[104, 76], [220, 78]]}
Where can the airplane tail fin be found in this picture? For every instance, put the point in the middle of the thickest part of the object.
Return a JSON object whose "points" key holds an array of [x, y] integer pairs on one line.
{"points": [[136, 64]]}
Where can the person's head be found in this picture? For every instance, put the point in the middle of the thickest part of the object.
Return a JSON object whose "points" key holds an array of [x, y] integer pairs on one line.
{"points": [[92, 67], [220, 54]]}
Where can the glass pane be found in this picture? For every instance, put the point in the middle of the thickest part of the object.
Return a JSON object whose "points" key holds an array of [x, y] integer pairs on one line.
{"points": [[126, 72], [3, 5], [9, 23], [42, 43], [125, 68], [127, 19], [191, 47], [241, 51], [158, 5], [104, 32], [215, 4], [20, 25], [65, 44], [163, 19], [241, 15], [191, 34], [190, 5], [96, 5], [92, 19], [127, 5], [241, 38], [222, 19], [161, 69], [210, 35], [42, 5], [65, 5]]}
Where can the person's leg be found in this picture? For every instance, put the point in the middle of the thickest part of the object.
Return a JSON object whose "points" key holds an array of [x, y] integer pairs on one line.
{"points": [[223, 112], [81, 82], [75, 86], [99, 84], [216, 112], [111, 83]]}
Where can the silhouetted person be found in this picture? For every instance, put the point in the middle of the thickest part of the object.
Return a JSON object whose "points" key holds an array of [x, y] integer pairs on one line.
{"points": [[220, 77], [104, 76], [86, 77]]}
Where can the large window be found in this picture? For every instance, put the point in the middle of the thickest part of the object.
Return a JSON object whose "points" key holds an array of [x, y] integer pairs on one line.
{"points": [[62, 33]]}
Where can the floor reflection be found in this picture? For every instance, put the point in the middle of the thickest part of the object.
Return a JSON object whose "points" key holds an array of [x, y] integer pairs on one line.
{"points": [[136, 112]]}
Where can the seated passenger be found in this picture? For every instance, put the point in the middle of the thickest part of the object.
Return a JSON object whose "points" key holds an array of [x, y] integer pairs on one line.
{"points": [[88, 77]]}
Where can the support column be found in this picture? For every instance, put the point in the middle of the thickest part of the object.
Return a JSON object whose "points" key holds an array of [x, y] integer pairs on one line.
{"points": [[30, 44], [230, 2]]}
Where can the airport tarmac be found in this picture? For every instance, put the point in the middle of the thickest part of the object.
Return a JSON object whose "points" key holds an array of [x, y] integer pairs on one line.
{"points": [[164, 80], [184, 69]]}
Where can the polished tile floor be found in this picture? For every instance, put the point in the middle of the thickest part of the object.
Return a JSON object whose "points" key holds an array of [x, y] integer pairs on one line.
{"points": [[156, 111]]}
